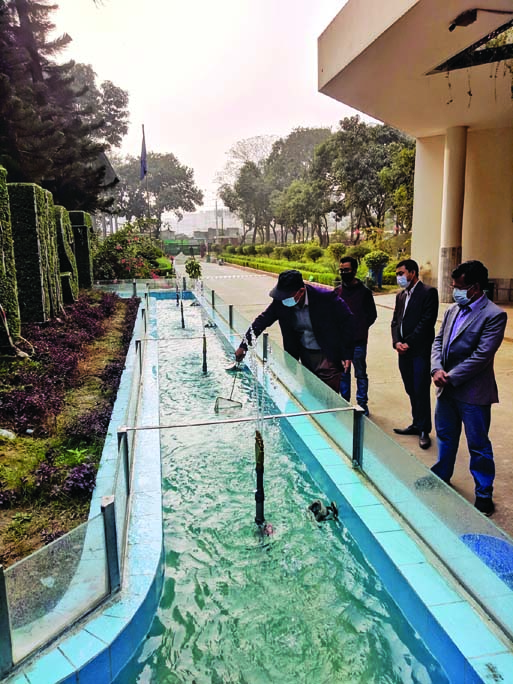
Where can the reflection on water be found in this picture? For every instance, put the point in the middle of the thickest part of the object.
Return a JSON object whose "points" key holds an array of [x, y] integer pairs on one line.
{"points": [[303, 607]]}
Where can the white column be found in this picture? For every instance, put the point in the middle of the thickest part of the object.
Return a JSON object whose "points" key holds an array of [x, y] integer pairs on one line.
{"points": [[455, 154]]}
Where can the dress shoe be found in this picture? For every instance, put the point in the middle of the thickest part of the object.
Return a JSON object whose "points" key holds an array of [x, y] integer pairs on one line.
{"points": [[424, 440], [485, 505], [410, 430]]}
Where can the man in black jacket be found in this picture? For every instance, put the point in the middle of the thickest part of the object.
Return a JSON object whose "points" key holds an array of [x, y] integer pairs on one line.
{"points": [[360, 300], [316, 326], [413, 332]]}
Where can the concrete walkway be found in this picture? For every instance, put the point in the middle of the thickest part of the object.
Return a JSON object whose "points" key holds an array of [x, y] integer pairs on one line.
{"points": [[389, 405]]}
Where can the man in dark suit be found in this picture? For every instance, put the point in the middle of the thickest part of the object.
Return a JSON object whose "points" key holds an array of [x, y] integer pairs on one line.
{"points": [[316, 326], [413, 332], [360, 300], [462, 370]]}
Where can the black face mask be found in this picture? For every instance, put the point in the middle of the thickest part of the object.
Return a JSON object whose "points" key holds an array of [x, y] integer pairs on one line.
{"points": [[347, 277]]}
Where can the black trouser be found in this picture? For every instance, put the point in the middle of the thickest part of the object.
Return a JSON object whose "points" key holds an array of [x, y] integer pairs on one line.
{"points": [[415, 372], [322, 367]]}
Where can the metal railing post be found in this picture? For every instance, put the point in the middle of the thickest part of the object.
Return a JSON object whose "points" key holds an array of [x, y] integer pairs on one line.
{"points": [[230, 316], [134, 288], [213, 297], [5, 629], [111, 542], [184, 283], [143, 315], [138, 351], [265, 342], [123, 451], [358, 413]]}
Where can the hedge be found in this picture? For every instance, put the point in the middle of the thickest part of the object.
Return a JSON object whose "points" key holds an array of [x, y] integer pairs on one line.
{"points": [[30, 235], [310, 276], [67, 261], [8, 283], [82, 226]]}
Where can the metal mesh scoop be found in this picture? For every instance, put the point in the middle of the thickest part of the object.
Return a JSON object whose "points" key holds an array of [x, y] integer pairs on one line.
{"points": [[223, 403]]}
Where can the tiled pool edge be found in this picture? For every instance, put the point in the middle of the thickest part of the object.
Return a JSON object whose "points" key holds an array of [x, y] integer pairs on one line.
{"points": [[98, 648], [426, 598]]}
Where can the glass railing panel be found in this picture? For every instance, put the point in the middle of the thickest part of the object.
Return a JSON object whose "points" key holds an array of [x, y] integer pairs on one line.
{"points": [[121, 500], [53, 587]]}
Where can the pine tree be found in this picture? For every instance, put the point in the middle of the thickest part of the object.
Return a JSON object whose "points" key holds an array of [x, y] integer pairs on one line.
{"points": [[46, 136]]}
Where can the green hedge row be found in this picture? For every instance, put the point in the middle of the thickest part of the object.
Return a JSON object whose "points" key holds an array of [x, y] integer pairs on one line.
{"points": [[81, 224], [261, 265], [8, 284], [38, 268], [67, 261]]}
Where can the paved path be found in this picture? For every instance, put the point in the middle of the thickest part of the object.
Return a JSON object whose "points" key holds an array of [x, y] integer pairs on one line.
{"points": [[389, 406]]}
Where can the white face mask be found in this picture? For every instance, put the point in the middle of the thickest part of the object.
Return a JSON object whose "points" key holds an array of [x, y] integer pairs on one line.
{"points": [[402, 281], [460, 296], [290, 301]]}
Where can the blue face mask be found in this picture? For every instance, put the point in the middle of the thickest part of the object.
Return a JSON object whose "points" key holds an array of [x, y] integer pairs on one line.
{"points": [[402, 281], [290, 301], [460, 296]]}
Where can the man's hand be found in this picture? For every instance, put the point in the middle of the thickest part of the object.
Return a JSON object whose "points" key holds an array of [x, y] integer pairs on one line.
{"points": [[401, 347], [346, 365], [440, 378], [240, 353]]}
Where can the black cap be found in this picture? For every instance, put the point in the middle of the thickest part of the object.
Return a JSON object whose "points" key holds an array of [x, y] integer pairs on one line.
{"points": [[289, 282]]}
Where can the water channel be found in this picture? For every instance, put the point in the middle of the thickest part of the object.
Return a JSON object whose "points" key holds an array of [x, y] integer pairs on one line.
{"points": [[303, 605]]}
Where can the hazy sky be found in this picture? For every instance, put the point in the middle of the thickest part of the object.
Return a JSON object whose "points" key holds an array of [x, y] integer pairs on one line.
{"points": [[203, 74]]}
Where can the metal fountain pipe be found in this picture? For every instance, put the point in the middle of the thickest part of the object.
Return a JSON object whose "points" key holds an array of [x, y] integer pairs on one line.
{"points": [[204, 353], [181, 312], [259, 469]]}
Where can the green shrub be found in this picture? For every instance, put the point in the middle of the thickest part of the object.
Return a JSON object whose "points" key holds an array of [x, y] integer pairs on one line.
{"points": [[377, 259], [249, 250], [193, 268], [277, 253], [336, 250], [298, 252], [314, 252], [126, 255], [357, 251], [229, 249], [287, 253]]}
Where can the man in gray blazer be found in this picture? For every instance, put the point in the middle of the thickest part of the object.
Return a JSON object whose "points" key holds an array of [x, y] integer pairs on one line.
{"points": [[462, 371]]}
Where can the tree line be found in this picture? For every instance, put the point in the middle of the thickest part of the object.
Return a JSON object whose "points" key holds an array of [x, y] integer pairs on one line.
{"points": [[361, 171], [59, 127]]}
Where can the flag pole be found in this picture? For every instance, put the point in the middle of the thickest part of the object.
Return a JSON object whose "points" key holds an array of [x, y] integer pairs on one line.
{"points": [[144, 174]]}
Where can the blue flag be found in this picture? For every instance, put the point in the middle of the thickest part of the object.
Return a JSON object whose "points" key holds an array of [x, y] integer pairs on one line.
{"points": [[144, 165]]}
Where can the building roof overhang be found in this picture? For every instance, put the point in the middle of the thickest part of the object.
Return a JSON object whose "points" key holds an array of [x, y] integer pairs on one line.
{"points": [[383, 58]]}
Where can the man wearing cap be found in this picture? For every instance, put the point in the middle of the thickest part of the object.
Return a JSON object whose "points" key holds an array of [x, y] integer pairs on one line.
{"points": [[316, 326]]}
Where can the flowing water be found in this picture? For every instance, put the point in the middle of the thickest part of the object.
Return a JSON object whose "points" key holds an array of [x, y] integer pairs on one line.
{"points": [[300, 606]]}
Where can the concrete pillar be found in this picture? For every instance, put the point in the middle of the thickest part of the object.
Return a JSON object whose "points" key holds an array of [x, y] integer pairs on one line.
{"points": [[455, 154]]}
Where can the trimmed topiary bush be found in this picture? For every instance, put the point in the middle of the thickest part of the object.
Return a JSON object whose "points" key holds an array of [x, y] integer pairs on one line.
{"points": [[8, 283], [67, 261], [37, 290], [82, 227]]}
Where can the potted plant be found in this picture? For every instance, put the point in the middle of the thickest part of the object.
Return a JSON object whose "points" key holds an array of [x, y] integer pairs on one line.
{"points": [[193, 268], [376, 261]]}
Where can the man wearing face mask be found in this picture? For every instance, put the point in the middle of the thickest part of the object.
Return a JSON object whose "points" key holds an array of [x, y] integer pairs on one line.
{"points": [[316, 326], [462, 371], [360, 300], [413, 332]]}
